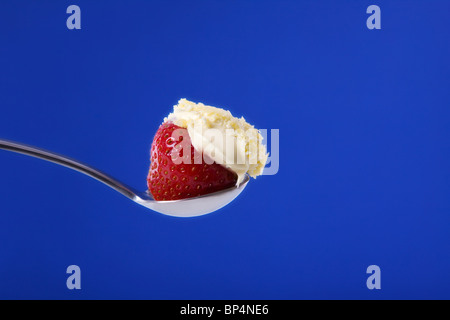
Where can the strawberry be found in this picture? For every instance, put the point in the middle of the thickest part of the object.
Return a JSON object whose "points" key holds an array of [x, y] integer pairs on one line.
{"points": [[169, 181]]}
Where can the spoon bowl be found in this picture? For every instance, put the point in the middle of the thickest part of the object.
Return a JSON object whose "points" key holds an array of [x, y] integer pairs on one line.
{"points": [[195, 206], [190, 207]]}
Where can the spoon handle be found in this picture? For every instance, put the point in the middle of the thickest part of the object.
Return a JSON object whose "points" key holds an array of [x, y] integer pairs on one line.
{"points": [[69, 163]]}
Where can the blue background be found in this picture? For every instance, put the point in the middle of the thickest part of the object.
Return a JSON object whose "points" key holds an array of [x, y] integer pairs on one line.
{"points": [[364, 119]]}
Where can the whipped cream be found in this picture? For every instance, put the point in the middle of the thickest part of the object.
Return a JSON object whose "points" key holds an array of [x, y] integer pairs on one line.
{"points": [[229, 141]]}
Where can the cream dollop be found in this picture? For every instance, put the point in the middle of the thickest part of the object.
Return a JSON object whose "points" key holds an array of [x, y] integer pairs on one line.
{"points": [[229, 141]]}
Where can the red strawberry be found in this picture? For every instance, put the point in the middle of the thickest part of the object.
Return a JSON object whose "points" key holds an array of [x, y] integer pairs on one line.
{"points": [[169, 181]]}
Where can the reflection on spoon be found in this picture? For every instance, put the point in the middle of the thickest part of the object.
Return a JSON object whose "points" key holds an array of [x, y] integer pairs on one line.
{"points": [[190, 207]]}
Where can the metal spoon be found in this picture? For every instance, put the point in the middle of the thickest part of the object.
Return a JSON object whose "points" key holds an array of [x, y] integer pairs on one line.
{"points": [[190, 207]]}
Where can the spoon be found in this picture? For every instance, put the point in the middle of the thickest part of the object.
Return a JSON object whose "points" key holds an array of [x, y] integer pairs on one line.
{"points": [[189, 207]]}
